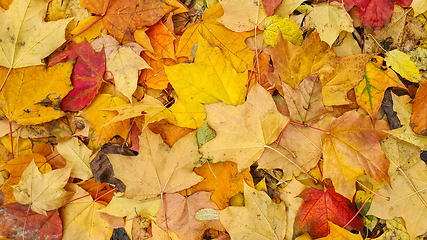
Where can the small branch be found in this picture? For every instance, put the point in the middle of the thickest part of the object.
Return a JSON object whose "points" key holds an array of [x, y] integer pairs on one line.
{"points": [[355, 215]]}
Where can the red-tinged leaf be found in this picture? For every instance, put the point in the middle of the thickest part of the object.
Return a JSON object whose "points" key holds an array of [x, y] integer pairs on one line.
{"points": [[37, 226], [319, 207], [271, 5], [375, 13], [87, 75]]}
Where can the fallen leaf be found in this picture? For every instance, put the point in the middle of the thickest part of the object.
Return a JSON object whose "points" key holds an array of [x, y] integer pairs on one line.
{"points": [[77, 156], [15, 218], [287, 7], [402, 64], [100, 188], [122, 18], [81, 219], [329, 19], [377, 78], [305, 102], [124, 64], [180, 212], [242, 16], [90, 34], [419, 6], [243, 131], [289, 29], [162, 41], [44, 192], [346, 45], [16, 167], [209, 79], [223, 180], [170, 133], [322, 206], [87, 76], [95, 113], [26, 37], [189, 114], [163, 169], [271, 5], [353, 148], [336, 232], [419, 112], [403, 108], [404, 202], [155, 77], [232, 44], [259, 219], [32, 95]]}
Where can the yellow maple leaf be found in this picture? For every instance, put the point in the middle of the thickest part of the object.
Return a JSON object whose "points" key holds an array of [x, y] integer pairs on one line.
{"points": [[289, 29], [158, 168], [402, 64], [329, 19], [232, 44], [242, 16], [337, 232], [81, 219], [77, 156], [91, 33], [243, 131], [45, 192], [246, 222], [189, 114], [26, 38], [124, 64], [33, 95], [98, 117]]}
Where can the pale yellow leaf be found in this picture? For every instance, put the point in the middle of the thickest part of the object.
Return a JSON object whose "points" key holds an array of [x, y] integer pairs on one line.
{"points": [[242, 15], [77, 156], [402, 64]]}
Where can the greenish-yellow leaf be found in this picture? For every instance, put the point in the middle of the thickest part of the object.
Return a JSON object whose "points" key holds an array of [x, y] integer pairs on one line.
{"points": [[402, 64]]}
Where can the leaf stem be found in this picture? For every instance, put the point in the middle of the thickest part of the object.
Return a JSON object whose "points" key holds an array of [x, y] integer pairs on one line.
{"points": [[11, 137], [300, 168], [413, 186], [369, 190], [5, 78], [305, 125], [185, 6], [355, 215]]}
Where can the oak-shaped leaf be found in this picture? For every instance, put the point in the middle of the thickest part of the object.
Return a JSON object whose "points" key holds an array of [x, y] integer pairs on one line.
{"points": [[158, 168], [32, 95], [25, 37], [353, 148], [260, 218], [122, 18], [15, 218], [44, 192], [404, 202], [87, 75], [322, 206], [180, 212], [243, 131]]}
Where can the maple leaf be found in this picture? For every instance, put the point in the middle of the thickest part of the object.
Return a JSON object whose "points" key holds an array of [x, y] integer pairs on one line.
{"points": [[122, 18], [419, 6], [232, 44], [353, 148], [375, 14], [404, 202], [329, 20], [402, 64], [370, 91], [223, 180], [320, 207], [180, 212], [15, 218], [243, 131], [271, 5], [419, 114], [25, 37], [336, 232], [32, 95], [99, 132], [165, 169], [242, 16], [80, 218], [189, 114], [95, 30], [289, 29], [259, 219], [155, 77], [44, 192], [87, 76], [170, 133], [162, 41], [77, 156]]}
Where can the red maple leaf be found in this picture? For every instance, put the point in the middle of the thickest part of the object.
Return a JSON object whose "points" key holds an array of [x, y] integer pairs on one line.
{"points": [[319, 207], [87, 74], [374, 13], [37, 226]]}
